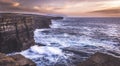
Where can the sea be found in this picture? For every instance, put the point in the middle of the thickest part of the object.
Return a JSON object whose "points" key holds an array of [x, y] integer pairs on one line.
{"points": [[71, 40]]}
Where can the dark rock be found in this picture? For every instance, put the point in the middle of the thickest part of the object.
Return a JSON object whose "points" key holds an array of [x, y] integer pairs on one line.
{"points": [[40, 44], [22, 61], [81, 53], [101, 59], [42, 22], [114, 53], [78, 50], [15, 60], [7, 61], [16, 32], [56, 18], [10, 45]]}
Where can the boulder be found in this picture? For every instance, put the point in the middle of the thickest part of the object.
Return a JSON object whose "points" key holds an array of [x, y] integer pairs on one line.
{"points": [[15, 60], [101, 59], [7, 61], [22, 61]]}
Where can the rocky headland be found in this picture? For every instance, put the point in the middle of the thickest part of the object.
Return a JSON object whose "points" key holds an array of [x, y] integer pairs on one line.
{"points": [[16, 34], [16, 30]]}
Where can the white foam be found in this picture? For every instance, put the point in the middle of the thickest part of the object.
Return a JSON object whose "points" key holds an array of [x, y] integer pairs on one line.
{"points": [[66, 35], [111, 30], [45, 50], [66, 40], [38, 52], [55, 24]]}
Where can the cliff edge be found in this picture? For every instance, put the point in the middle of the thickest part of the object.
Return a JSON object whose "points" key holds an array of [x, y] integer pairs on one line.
{"points": [[16, 30]]}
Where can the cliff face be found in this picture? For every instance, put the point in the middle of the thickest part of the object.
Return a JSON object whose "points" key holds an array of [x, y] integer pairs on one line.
{"points": [[16, 30]]}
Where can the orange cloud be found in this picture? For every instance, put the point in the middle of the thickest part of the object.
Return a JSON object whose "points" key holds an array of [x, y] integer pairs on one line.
{"points": [[36, 8], [108, 11], [16, 4]]}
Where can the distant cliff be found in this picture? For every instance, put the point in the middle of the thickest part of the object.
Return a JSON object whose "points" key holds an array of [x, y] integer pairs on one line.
{"points": [[16, 30]]}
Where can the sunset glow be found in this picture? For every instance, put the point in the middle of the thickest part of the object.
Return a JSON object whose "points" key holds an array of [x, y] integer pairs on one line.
{"points": [[65, 7], [16, 4]]}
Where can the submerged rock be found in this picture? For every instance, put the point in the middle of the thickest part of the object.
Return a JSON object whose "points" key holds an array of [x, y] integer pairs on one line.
{"points": [[101, 59], [15, 60]]}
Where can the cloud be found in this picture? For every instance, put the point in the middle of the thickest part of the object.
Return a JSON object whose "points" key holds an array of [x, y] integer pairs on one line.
{"points": [[16, 4], [4, 4], [69, 7], [111, 11], [29, 3], [8, 3]]}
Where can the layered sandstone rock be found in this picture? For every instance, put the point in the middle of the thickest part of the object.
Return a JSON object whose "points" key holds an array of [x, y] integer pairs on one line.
{"points": [[101, 59], [16, 30]]}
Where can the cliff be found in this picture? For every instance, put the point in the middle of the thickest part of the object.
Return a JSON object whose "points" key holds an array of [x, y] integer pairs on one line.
{"points": [[16, 30]]}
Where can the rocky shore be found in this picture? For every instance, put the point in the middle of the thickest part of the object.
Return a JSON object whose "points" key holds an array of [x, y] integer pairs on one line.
{"points": [[97, 59], [16, 34]]}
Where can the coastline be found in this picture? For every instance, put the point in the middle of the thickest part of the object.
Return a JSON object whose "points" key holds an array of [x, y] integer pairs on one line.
{"points": [[18, 30], [16, 34]]}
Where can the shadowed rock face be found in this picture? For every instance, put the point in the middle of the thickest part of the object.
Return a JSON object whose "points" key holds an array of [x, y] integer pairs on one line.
{"points": [[100, 59], [16, 32], [15, 60]]}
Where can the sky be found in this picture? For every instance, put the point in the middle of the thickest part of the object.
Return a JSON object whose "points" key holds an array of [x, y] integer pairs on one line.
{"points": [[82, 8]]}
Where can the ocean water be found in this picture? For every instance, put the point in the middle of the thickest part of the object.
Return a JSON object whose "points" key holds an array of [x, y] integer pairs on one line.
{"points": [[72, 40]]}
